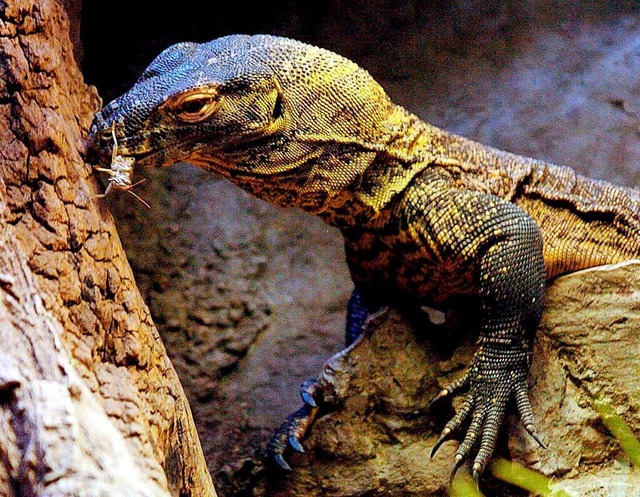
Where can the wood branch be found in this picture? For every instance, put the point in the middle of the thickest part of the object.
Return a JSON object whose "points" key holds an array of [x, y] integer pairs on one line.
{"points": [[69, 443], [89, 402]]}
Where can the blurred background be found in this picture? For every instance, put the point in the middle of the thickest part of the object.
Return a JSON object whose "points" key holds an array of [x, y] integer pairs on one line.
{"points": [[250, 299]]}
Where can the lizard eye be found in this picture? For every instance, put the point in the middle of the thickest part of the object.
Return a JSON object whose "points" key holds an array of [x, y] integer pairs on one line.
{"points": [[194, 107]]}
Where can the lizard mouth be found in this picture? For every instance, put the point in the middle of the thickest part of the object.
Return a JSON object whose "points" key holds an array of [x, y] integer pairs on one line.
{"points": [[152, 158], [150, 150], [144, 157]]}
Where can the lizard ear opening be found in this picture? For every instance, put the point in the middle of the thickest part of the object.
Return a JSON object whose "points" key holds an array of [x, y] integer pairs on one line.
{"points": [[278, 107], [279, 114]]}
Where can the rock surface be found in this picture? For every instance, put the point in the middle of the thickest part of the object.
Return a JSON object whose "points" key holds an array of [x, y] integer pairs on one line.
{"points": [[378, 434]]}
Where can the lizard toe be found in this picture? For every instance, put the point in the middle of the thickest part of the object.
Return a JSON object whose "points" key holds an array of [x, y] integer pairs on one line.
{"points": [[458, 386], [289, 434], [488, 441], [523, 404], [454, 424], [472, 435]]}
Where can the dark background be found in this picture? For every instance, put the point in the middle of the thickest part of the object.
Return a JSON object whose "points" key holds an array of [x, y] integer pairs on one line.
{"points": [[133, 40]]}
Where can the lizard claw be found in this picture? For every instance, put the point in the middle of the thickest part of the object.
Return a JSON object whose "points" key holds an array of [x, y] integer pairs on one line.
{"points": [[282, 464], [444, 436], [534, 434], [477, 469], [458, 460], [484, 408], [295, 444], [308, 390], [289, 434], [308, 399], [443, 393]]}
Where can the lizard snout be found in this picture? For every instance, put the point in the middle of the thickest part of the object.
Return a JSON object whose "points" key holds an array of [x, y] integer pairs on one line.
{"points": [[100, 139]]}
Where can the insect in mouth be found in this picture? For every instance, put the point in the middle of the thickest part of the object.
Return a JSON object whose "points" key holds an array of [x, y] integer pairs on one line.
{"points": [[120, 172]]}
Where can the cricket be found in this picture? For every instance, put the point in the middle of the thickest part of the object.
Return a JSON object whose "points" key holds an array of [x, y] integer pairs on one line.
{"points": [[121, 173]]}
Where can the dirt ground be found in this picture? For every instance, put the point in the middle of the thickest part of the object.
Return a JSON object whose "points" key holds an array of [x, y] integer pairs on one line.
{"points": [[250, 299]]}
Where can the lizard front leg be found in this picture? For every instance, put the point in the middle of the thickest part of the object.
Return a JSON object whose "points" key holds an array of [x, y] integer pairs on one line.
{"points": [[507, 245]]}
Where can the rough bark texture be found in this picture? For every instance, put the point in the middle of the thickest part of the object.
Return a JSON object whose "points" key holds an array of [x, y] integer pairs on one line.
{"points": [[89, 402]]}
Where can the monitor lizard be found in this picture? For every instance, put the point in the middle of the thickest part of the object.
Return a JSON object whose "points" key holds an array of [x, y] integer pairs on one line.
{"points": [[428, 217]]}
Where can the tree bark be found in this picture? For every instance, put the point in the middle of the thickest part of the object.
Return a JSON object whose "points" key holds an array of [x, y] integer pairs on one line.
{"points": [[89, 402]]}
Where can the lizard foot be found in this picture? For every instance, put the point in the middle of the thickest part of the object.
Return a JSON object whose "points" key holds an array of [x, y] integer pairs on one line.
{"points": [[330, 388], [289, 434], [489, 389]]}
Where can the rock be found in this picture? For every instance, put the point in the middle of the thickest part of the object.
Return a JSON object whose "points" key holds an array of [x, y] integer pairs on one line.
{"points": [[378, 433]]}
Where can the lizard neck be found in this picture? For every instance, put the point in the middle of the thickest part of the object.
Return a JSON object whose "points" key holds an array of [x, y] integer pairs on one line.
{"points": [[399, 154], [347, 181]]}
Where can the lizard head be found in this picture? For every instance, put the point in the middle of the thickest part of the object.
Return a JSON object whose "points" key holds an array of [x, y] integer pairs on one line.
{"points": [[259, 110]]}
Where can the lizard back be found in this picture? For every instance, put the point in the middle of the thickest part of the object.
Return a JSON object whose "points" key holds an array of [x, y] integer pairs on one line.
{"points": [[584, 222]]}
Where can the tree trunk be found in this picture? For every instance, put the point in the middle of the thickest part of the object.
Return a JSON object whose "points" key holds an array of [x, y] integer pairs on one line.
{"points": [[89, 402]]}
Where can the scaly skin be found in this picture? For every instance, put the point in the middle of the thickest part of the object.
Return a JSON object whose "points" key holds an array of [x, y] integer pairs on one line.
{"points": [[428, 217]]}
